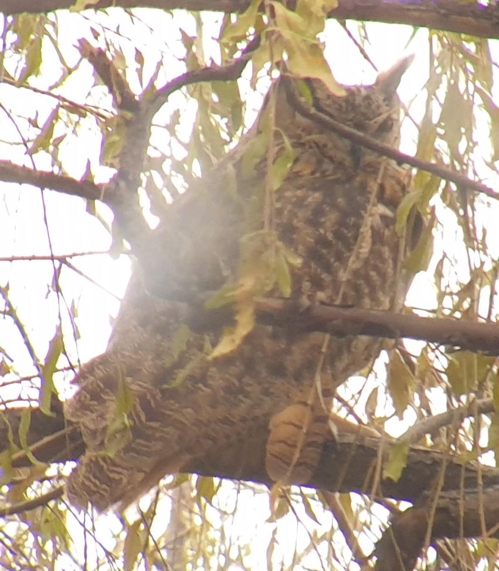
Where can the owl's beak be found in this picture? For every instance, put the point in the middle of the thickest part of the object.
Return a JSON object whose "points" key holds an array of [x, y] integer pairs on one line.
{"points": [[388, 81]]}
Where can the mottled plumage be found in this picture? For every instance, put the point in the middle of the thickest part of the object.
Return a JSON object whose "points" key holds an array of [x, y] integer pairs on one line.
{"points": [[335, 209]]}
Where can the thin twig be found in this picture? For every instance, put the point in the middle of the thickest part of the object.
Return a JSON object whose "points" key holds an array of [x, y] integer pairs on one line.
{"points": [[449, 417], [29, 505], [59, 257]]}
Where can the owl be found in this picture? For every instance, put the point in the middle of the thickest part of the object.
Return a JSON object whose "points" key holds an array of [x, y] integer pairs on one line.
{"points": [[295, 210]]}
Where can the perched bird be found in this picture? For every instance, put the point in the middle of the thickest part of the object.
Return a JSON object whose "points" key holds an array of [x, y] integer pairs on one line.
{"points": [[294, 210]]}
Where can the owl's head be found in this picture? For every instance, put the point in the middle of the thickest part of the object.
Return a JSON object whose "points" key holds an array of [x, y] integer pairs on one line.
{"points": [[371, 109]]}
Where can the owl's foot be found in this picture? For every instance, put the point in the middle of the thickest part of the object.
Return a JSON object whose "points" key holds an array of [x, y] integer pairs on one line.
{"points": [[294, 447]]}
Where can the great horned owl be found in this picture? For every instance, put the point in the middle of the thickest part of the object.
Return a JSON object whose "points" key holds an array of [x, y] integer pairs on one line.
{"points": [[291, 190]]}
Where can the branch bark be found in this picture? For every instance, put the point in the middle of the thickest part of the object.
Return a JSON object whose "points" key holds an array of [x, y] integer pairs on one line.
{"points": [[472, 19], [457, 515], [342, 321], [348, 464], [10, 172]]}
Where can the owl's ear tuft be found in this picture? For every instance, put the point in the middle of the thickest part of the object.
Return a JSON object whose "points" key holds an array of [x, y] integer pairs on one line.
{"points": [[388, 81]]}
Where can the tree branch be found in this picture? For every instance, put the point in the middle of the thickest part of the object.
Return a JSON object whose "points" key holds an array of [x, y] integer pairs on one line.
{"points": [[449, 417], [457, 515], [29, 505], [123, 96], [229, 72], [472, 19], [359, 138], [10, 172], [342, 321]]}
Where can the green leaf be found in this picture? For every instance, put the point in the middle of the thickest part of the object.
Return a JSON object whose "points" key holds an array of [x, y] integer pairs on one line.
{"points": [[397, 461], [493, 443], [179, 341], [405, 208], [233, 336], [118, 434], [400, 383], [259, 59], [206, 489], [282, 164], [43, 139], [56, 346], [51, 527], [81, 5], [314, 13], [113, 139], [293, 259], [254, 151], [124, 398], [238, 30], [305, 54], [24, 26], [495, 392], [224, 296], [346, 503], [24, 425], [33, 60], [185, 371], [466, 369], [419, 258], [283, 275], [310, 63], [6, 470]]}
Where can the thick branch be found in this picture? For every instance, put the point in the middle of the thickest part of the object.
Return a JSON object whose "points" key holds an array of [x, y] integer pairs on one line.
{"points": [[10, 172], [341, 321], [450, 15], [456, 515], [349, 464], [123, 96]]}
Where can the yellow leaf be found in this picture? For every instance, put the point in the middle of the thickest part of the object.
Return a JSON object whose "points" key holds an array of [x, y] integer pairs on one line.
{"points": [[283, 275], [308, 507], [400, 383], [293, 259], [33, 60], [493, 443], [42, 141], [6, 470], [495, 393], [48, 369], [279, 507], [134, 543], [23, 436], [233, 337], [420, 256], [466, 369], [236, 31], [306, 60], [205, 488], [282, 163], [288, 20], [81, 5], [397, 461]]}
